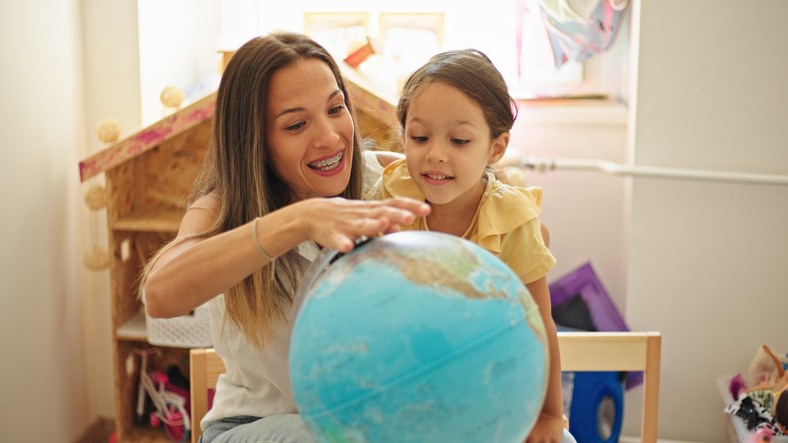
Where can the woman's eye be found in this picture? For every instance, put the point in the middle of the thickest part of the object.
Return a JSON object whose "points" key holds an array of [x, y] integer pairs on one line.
{"points": [[459, 141], [295, 127], [419, 139], [336, 109]]}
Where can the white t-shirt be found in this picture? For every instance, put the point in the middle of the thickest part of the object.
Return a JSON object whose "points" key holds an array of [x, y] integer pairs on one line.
{"points": [[257, 383]]}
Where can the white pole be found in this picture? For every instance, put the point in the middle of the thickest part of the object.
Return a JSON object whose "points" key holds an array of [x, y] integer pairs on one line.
{"points": [[548, 164]]}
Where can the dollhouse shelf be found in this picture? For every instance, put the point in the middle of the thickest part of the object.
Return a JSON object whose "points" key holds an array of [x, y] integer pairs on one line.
{"points": [[148, 223], [133, 328], [149, 175]]}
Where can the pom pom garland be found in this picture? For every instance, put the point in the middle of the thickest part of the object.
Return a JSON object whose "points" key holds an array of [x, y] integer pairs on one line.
{"points": [[96, 259], [171, 97], [96, 197], [108, 130]]}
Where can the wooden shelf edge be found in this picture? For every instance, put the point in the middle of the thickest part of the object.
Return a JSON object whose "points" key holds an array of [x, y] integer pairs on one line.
{"points": [[134, 328], [146, 224]]}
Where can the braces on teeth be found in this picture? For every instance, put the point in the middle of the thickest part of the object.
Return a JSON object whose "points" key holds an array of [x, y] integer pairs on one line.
{"points": [[327, 164]]}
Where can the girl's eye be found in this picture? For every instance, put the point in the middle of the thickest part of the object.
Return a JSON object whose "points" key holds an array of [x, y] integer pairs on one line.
{"points": [[296, 126], [419, 139], [458, 141], [337, 109]]}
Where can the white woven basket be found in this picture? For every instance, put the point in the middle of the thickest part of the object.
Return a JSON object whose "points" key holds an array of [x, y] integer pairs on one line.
{"points": [[187, 331]]}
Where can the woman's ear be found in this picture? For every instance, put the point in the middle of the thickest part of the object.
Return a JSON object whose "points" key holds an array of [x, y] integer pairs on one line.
{"points": [[498, 148]]}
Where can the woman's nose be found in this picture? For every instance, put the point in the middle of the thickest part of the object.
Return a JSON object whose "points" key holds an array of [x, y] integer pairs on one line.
{"points": [[326, 134]]}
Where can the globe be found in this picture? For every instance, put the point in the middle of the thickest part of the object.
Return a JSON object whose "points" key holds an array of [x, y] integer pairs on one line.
{"points": [[418, 337]]}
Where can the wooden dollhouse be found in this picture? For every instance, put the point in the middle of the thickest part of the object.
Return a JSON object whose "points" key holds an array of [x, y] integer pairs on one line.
{"points": [[148, 178]]}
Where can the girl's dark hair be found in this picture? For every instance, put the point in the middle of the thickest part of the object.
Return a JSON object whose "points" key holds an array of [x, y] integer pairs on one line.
{"points": [[473, 73]]}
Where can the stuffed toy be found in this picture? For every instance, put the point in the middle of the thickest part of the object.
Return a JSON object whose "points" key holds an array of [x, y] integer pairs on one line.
{"points": [[761, 396]]}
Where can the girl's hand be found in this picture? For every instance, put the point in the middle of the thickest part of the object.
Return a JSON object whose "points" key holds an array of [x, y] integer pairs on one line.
{"points": [[547, 429], [336, 222]]}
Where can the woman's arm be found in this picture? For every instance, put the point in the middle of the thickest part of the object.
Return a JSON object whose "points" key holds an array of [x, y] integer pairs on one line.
{"points": [[193, 272]]}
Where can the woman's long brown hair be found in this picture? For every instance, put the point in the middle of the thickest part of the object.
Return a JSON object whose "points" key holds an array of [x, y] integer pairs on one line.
{"points": [[237, 169]]}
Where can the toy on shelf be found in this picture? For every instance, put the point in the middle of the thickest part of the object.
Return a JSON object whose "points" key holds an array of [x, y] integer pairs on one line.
{"points": [[170, 401]]}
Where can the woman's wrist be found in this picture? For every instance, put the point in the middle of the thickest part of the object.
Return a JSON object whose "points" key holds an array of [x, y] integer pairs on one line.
{"points": [[280, 231]]}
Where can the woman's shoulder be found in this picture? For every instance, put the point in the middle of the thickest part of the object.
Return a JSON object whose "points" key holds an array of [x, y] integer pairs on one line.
{"points": [[201, 214], [209, 201]]}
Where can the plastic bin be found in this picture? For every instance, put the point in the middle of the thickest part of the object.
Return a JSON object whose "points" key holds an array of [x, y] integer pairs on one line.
{"points": [[187, 331]]}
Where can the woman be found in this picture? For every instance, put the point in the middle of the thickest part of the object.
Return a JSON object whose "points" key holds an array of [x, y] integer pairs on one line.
{"points": [[284, 138]]}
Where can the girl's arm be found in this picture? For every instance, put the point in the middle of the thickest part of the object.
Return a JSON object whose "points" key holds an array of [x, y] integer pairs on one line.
{"points": [[549, 425], [195, 271]]}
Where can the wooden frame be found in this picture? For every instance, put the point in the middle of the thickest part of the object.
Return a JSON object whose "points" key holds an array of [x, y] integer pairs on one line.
{"points": [[205, 367], [430, 21], [580, 351], [317, 24]]}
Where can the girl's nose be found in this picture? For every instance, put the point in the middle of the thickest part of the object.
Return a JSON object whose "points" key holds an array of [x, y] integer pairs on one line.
{"points": [[436, 153]]}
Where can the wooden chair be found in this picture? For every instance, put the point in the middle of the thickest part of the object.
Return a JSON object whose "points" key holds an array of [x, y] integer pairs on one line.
{"points": [[619, 351], [580, 351], [205, 366]]}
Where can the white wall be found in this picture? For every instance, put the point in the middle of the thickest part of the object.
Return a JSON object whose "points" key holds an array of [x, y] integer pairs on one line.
{"points": [[585, 211], [177, 47], [44, 388], [707, 261], [112, 89], [66, 66]]}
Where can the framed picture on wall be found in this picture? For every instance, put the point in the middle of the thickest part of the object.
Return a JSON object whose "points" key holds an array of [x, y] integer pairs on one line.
{"points": [[339, 32], [408, 40]]}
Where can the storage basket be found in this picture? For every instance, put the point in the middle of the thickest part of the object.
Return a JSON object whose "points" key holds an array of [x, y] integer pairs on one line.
{"points": [[187, 331]]}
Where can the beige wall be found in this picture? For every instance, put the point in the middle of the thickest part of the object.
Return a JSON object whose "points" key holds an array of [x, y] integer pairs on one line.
{"points": [[45, 389], [66, 65], [112, 89], [707, 261], [585, 211]]}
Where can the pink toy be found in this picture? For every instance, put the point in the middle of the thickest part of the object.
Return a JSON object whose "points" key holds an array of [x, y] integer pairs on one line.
{"points": [[762, 435]]}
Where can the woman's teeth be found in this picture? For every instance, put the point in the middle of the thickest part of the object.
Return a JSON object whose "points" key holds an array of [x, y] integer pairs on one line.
{"points": [[327, 165]]}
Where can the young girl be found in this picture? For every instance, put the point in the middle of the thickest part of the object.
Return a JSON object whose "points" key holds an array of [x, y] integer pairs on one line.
{"points": [[456, 114]]}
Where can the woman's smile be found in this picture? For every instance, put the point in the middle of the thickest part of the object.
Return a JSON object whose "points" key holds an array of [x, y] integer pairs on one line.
{"points": [[329, 165]]}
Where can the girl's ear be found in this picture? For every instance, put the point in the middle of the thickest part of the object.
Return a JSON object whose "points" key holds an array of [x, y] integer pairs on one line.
{"points": [[498, 148]]}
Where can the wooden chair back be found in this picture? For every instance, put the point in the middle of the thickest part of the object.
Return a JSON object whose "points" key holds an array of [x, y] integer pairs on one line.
{"points": [[619, 351], [205, 367]]}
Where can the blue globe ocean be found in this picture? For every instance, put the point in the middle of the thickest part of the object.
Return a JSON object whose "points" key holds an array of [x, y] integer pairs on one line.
{"points": [[418, 337]]}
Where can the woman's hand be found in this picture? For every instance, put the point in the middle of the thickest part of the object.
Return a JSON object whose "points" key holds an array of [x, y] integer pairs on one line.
{"points": [[336, 223], [198, 269]]}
